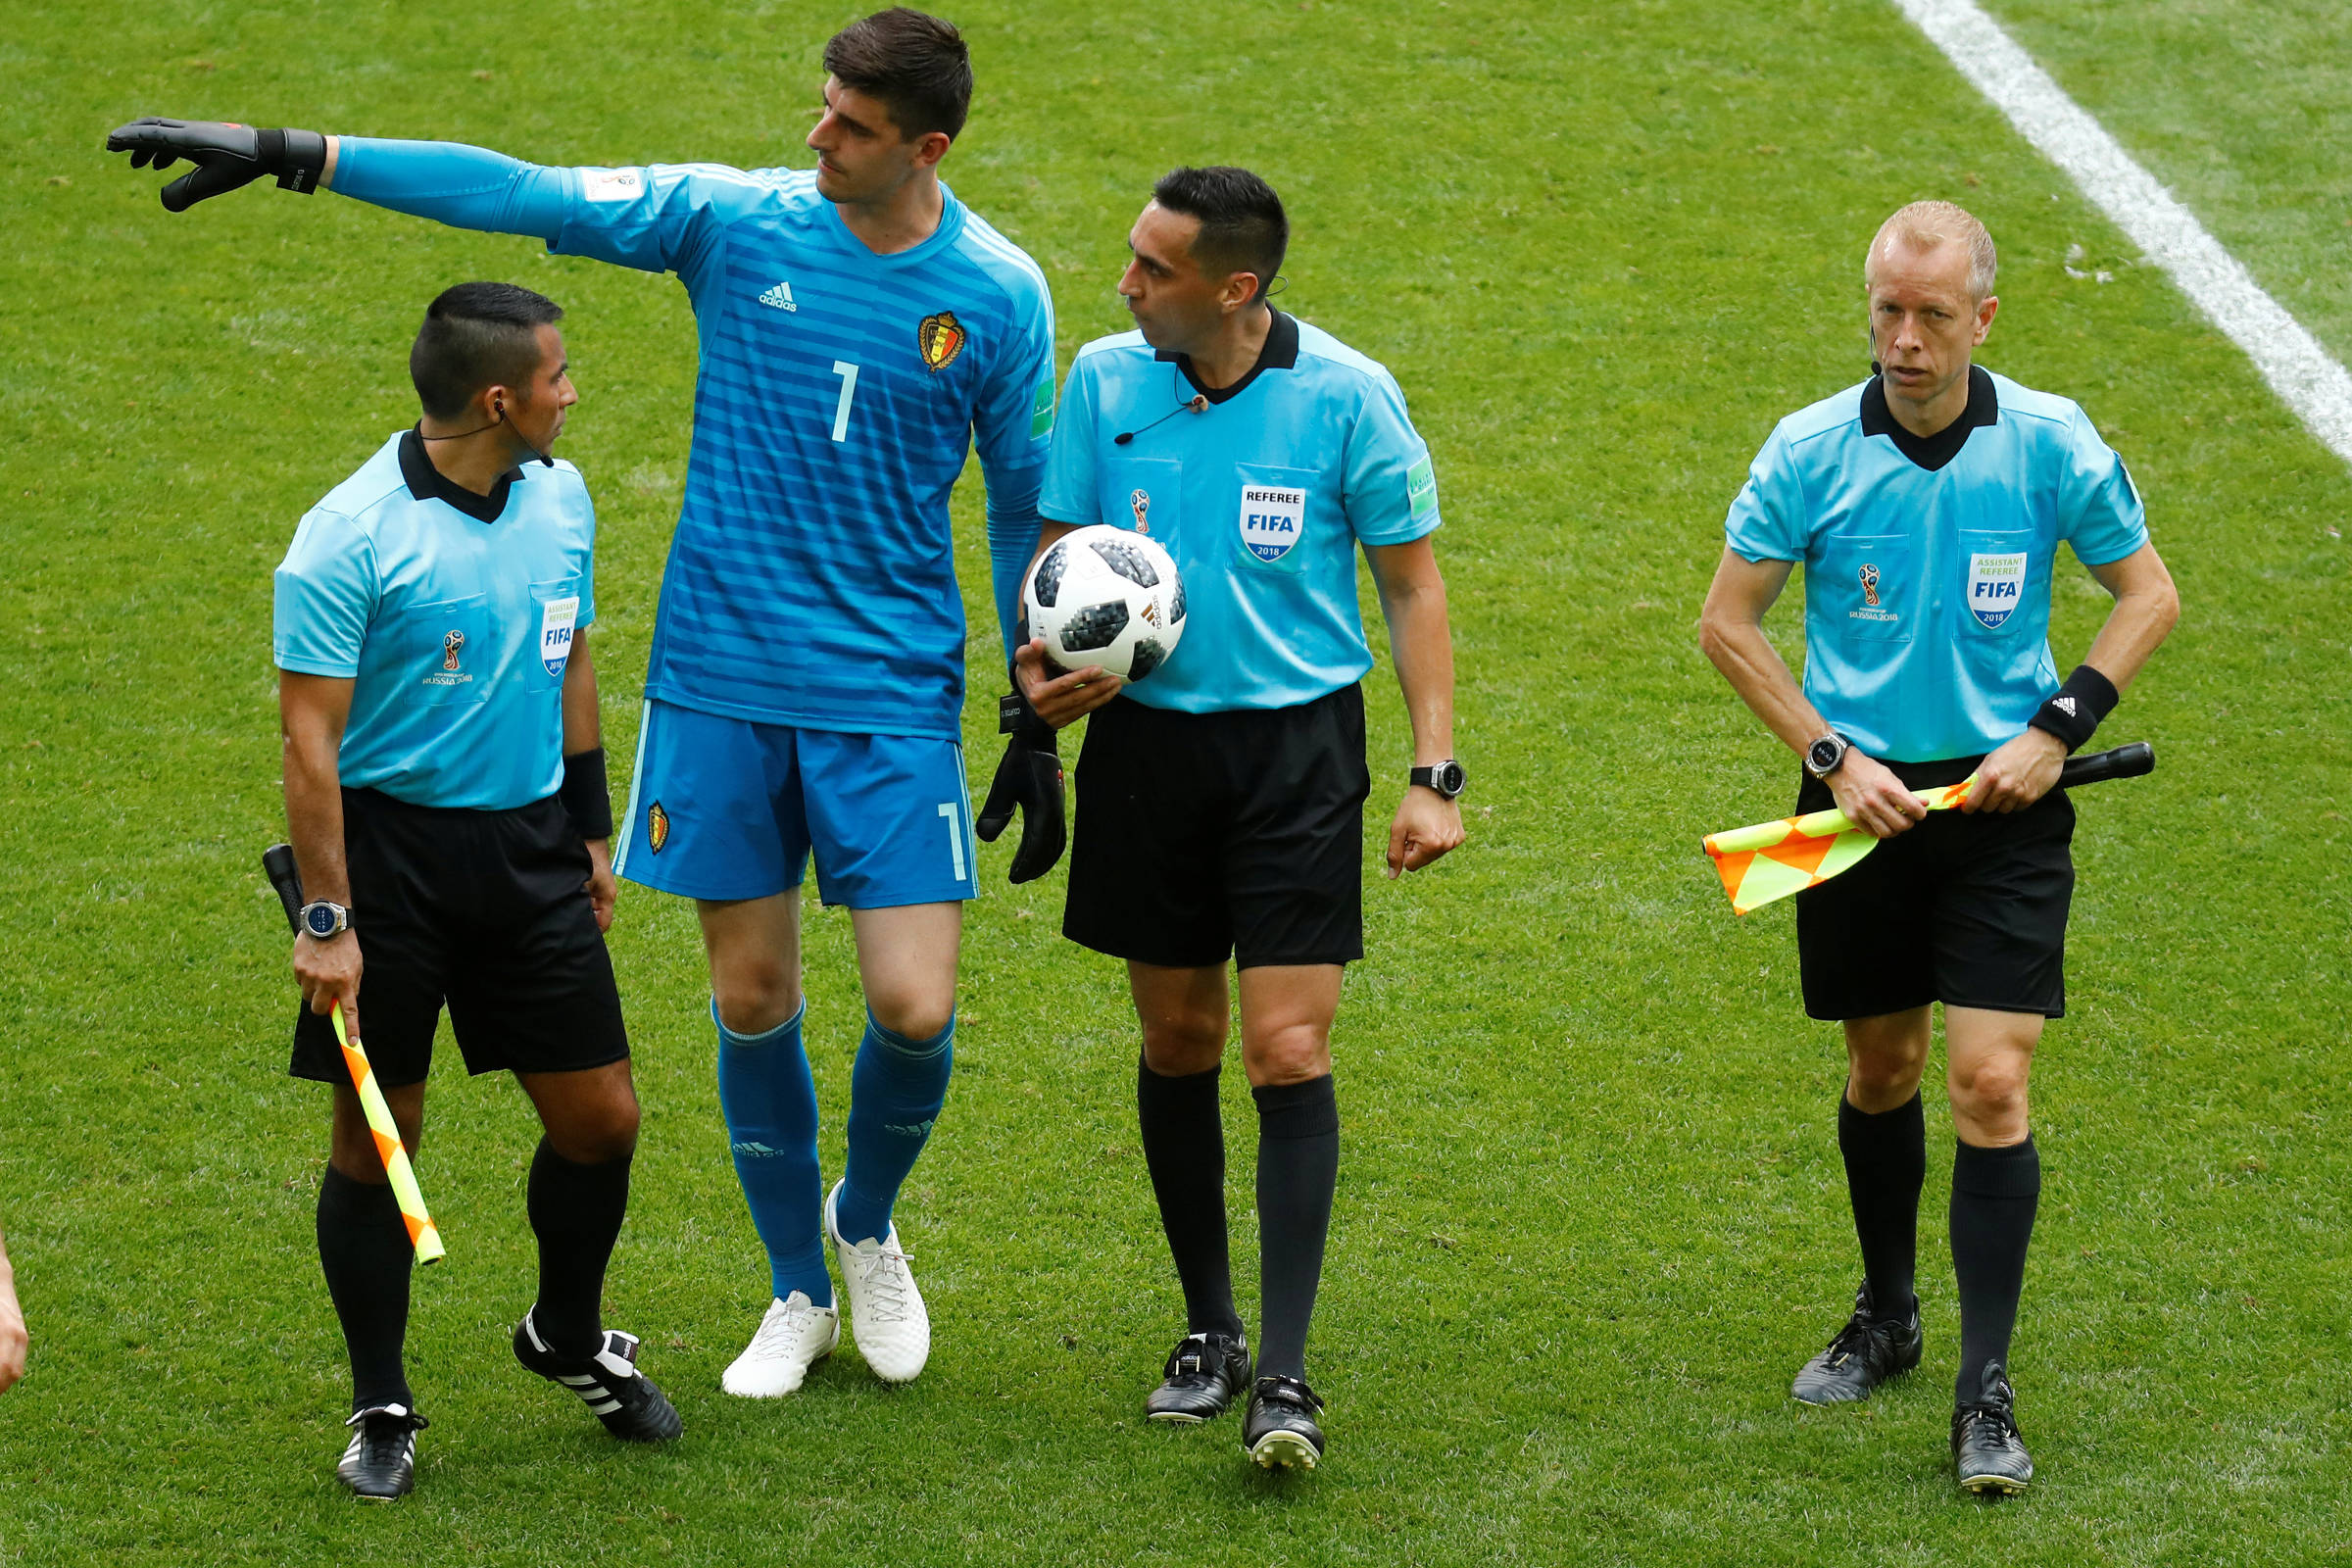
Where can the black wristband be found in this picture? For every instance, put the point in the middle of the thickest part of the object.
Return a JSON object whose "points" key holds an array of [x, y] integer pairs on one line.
{"points": [[585, 796], [298, 158], [2087, 697], [1015, 717]]}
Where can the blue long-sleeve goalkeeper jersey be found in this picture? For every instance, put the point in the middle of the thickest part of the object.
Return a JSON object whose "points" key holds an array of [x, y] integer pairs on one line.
{"points": [[812, 580]]}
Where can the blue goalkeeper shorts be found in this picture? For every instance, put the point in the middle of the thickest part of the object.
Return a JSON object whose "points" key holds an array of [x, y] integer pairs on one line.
{"points": [[723, 807]]}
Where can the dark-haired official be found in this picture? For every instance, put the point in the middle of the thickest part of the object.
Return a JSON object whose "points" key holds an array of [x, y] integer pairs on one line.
{"points": [[1927, 504], [861, 331], [1220, 802], [445, 795]]}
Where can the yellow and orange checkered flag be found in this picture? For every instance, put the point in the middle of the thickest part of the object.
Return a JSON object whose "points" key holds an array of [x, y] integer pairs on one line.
{"points": [[1769, 862], [423, 1234], [277, 863]]}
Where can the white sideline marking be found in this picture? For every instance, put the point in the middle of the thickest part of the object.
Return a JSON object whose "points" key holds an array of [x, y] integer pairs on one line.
{"points": [[2302, 372]]}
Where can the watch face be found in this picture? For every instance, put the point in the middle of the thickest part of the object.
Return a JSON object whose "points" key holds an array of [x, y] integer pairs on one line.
{"points": [[1825, 754], [320, 919], [1451, 779]]}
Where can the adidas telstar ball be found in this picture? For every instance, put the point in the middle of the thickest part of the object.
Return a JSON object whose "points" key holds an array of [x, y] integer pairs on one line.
{"points": [[1104, 596]]}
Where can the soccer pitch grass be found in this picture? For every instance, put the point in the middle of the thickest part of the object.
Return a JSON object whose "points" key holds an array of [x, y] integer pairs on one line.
{"points": [[1590, 1214]]}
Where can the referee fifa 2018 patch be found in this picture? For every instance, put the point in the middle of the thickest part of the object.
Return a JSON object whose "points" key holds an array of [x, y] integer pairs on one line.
{"points": [[1995, 586], [657, 827]]}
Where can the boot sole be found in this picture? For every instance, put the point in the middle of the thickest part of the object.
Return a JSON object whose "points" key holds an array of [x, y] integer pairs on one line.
{"points": [[1284, 1450], [1994, 1486]]}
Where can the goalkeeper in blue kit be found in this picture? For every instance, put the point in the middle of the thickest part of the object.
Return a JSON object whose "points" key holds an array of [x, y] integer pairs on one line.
{"points": [[860, 329]]}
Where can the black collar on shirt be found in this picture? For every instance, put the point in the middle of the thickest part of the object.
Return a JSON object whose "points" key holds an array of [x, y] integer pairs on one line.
{"points": [[428, 484], [1932, 452], [1278, 353]]}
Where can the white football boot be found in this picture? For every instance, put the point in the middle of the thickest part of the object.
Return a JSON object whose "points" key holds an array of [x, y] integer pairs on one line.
{"points": [[793, 1337], [886, 1311]]}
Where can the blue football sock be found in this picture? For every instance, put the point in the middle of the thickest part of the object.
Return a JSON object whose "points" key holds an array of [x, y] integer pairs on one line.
{"points": [[896, 1092], [769, 1101]]}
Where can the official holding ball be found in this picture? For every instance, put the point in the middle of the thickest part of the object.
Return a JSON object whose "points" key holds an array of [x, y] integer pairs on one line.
{"points": [[1220, 800]]}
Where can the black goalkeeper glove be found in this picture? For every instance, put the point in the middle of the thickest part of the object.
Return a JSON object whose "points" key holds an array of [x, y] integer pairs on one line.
{"points": [[226, 156], [1029, 777]]}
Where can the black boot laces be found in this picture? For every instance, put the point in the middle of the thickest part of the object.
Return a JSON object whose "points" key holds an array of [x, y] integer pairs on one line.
{"points": [[384, 1435], [1859, 1336], [1990, 1423]]}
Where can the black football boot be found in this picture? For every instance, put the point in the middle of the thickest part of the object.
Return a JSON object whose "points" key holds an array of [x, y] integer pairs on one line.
{"points": [[380, 1463], [1865, 1354], [1204, 1375], [1991, 1456], [1279, 1431], [609, 1382]]}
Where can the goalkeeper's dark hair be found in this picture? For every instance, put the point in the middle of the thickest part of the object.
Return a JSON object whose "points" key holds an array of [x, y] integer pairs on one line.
{"points": [[914, 62], [477, 335], [1243, 226]]}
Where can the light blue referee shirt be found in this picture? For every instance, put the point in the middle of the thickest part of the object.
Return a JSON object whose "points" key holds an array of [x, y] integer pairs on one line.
{"points": [[812, 580], [1928, 562], [453, 614], [1262, 498]]}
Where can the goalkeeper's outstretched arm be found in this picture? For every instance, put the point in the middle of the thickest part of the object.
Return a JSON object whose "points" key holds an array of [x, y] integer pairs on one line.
{"points": [[465, 187]]}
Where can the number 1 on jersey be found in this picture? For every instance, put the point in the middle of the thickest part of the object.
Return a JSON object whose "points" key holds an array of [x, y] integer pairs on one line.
{"points": [[849, 390]]}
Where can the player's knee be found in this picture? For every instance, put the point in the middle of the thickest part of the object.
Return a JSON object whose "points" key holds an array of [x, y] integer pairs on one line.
{"points": [[1881, 1075], [754, 996], [912, 1014], [1990, 1092], [1294, 1053], [1179, 1046], [598, 1133]]}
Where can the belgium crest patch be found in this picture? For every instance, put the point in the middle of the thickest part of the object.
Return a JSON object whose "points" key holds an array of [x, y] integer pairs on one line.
{"points": [[657, 827], [940, 339]]}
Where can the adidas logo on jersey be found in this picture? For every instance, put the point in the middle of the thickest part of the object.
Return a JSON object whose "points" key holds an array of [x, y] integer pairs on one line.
{"points": [[780, 297]]}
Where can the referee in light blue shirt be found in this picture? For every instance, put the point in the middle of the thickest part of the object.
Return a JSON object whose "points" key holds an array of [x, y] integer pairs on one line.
{"points": [[445, 794], [1927, 507], [1220, 802]]}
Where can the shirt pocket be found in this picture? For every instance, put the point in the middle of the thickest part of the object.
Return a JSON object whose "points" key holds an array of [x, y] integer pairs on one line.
{"points": [[442, 653], [1277, 512], [1866, 587], [554, 610], [1996, 576], [1145, 494]]}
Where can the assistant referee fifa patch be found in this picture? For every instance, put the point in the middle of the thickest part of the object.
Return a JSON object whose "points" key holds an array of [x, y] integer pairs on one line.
{"points": [[657, 827], [940, 339]]}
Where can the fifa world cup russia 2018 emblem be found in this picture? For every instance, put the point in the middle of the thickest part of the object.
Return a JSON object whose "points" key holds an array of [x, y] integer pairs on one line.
{"points": [[450, 646], [1870, 585], [1141, 502]]}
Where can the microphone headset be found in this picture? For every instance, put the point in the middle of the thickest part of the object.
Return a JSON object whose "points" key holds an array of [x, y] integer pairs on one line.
{"points": [[499, 407], [1198, 403]]}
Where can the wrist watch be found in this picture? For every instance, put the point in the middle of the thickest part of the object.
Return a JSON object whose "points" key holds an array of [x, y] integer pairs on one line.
{"points": [[1826, 754], [322, 920], [1447, 779]]}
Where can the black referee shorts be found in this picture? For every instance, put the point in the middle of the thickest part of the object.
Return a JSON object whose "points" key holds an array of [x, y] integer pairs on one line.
{"points": [[487, 912], [1204, 836], [1966, 909]]}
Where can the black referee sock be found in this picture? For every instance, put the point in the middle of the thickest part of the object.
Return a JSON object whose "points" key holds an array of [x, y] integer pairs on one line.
{"points": [[1886, 1164], [575, 1212], [1994, 1193], [364, 1251], [1298, 1172], [1184, 1148]]}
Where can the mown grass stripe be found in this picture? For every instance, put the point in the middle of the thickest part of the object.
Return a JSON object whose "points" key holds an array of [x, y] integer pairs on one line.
{"points": [[2303, 374]]}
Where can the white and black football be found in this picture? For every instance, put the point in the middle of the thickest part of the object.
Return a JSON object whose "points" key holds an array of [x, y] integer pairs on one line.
{"points": [[1104, 596]]}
